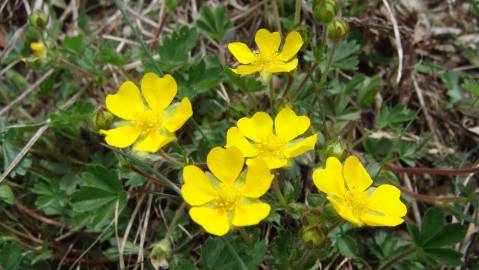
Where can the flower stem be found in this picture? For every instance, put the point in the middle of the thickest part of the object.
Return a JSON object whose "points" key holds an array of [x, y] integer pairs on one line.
{"points": [[170, 159], [329, 62], [271, 94], [297, 12], [279, 194], [235, 254]]}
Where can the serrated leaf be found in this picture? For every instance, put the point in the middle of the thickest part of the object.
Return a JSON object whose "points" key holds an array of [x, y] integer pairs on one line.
{"points": [[449, 235], [6, 194], [214, 22], [472, 86], [394, 117], [345, 56], [175, 48], [367, 91], [347, 246], [445, 255], [10, 256], [433, 222]]}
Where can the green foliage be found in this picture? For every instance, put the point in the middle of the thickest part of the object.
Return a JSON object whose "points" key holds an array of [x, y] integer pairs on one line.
{"points": [[214, 22], [176, 47], [395, 117]]}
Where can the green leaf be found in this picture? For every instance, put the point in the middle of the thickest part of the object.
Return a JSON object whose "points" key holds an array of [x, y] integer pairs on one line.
{"points": [[176, 47], [89, 199], [211, 251], [393, 117], [451, 80], [347, 246], [6, 194], [445, 255], [214, 22], [345, 56], [74, 45], [472, 86], [367, 91], [201, 78], [449, 235], [433, 222], [10, 257], [68, 123]]}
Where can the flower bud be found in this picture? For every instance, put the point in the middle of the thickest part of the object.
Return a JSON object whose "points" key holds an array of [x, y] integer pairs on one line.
{"points": [[313, 236], [39, 19], [335, 148], [102, 119], [324, 11], [160, 254], [337, 30]]}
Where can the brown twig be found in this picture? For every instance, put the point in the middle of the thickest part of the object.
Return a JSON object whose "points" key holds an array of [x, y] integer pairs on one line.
{"points": [[37, 216], [428, 198], [420, 170], [160, 29]]}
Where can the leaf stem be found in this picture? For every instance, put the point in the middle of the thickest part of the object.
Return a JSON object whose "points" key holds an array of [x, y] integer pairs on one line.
{"points": [[235, 254], [297, 12], [278, 193], [397, 258]]}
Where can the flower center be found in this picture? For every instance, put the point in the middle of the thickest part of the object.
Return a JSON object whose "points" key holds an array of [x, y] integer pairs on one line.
{"points": [[357, 202], [227, 198], [148, 120], [271, 146]]}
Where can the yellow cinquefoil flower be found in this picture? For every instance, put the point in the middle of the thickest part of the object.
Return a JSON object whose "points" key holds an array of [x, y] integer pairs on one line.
{"points": [[277, 147], [268, 59], [347, 189], [38, 49], [153, 126], [226, 197]]}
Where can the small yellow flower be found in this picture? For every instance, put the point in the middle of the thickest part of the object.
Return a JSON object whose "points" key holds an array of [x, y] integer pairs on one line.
{"points": [[268, 59], [39, 49], [347, 189], [227, 197], [153, 126], [276, 147]]}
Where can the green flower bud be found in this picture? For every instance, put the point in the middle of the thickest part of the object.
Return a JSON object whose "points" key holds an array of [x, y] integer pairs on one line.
{"points": [[337, 30], [313, 236], [160, 254], [335, 148], [39, 19], [102, 119], [324, 11]]}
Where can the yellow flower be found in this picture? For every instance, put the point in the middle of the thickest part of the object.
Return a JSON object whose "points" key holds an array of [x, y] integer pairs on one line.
{"points": [[277, 147], [39, 49], [268, 59], [347, 189], [153, 126], [227, 197]]}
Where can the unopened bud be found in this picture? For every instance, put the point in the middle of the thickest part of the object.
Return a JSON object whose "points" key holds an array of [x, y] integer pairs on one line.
{"points": [[335, 148], [38, 49], [160, 254], [102, 119], [337, 30], [324, 11], [39, 19], [313, 236]]}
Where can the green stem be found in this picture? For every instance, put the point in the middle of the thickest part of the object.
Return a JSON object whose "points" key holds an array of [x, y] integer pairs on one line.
{"points": [[278, 193], [397, 258], [238, 259], [170, 159], [329, 62], [271, 94], [297, 12], [174, 221]]}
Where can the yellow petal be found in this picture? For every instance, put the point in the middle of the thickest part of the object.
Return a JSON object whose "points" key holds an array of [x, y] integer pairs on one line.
{"points": [[273, 162], [300, 146], [126, 103], [225, 164], [268, 43], [234, 138], [378, 220], [247, 69], [241, 52], [256, 128], [344, 211], [38, 48], [258, 179], [197, 189], [153, 141], [283, 67], [356, 176], [289, 126], [158, 91], [212, 220], [330, 179], [179, 115], [121, 137], [250, 213], [291, 46], [386, 200]]}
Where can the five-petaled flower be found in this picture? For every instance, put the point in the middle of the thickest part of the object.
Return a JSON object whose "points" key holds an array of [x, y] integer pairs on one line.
{"points": [[267, 59], [227, 197], [256, 139], [38, 49], [153, 126], [347, 189]]}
